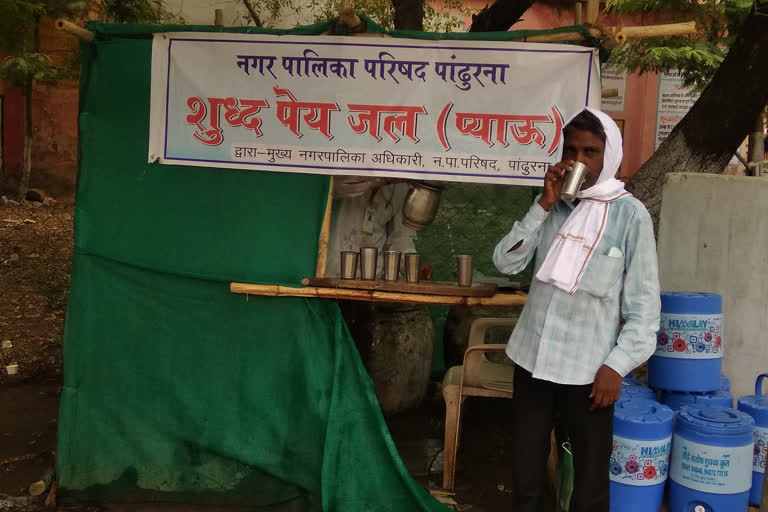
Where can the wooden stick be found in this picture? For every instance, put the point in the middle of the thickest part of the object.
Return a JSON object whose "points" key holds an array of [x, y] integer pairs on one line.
{"points": [[577, 14], [71, 28], [562, 37], [348, 17], [269, 290], [618, 34], [666, 30], [441, 492], [322, 242], [50, 500], [593, 10]]}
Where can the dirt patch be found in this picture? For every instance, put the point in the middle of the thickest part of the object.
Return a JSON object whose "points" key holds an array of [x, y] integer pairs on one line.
{"points": [[36, 244], [27, 434]]}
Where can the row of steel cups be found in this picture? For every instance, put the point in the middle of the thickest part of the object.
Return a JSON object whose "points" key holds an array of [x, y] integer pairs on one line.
{"points": [[368, 262]]}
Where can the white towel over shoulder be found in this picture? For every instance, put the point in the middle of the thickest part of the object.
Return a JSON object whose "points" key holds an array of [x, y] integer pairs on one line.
{"points": [[577, 239]]}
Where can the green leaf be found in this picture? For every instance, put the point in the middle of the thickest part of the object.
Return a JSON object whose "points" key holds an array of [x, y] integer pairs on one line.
{"points": [[29, 67], [140, 11], [696, 57]]}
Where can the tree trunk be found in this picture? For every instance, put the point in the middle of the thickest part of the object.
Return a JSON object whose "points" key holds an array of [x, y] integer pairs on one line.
{"points": [[499, 16], [26, 169], [708, 136], [409, 14]]}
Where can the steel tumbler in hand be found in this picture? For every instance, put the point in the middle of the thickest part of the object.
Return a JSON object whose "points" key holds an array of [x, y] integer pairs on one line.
{"points": [[573, 181]]}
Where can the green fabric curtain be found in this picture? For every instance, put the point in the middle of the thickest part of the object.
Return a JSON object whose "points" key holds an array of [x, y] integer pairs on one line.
{"points": [[174, 388], [210, 223]]}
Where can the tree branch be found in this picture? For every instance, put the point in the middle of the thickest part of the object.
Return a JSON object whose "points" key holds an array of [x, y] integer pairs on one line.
{"points": [[500, 15], [709, 134], [252, 12], [409, 14]]}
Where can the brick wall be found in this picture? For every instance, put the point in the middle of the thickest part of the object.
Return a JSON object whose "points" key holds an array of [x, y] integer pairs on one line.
{"points": [[54, 125]]}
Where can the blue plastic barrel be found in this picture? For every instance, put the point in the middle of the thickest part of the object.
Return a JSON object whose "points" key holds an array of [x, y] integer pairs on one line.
{"points": [[630, 379], [689, 344], [642, 438], [757, 406], [676, 399], [711, 466], [725, 383], [633, 388]]}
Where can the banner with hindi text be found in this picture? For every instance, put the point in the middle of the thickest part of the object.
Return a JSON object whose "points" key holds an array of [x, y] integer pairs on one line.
{"points": [[476, 111]]}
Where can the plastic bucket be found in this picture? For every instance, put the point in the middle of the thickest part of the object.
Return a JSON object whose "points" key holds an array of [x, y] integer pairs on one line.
{"points": [[711, 465], [642, 438], [631, 388], [757, 406], [677, 399], [689, 344]]}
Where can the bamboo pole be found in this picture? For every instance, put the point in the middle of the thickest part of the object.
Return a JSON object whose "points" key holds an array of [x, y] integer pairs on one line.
{"points": [[592, 11], [71, 28], [618, 34], [578, 13], [348, 17], [666, 30], [322, 242], [562, 37], [268, 290]]}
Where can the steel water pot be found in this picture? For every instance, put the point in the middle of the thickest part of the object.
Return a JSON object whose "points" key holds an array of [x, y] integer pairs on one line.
{"points": [[421, 204]]}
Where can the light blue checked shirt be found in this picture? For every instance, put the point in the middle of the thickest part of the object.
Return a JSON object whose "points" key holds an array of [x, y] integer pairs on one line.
{"points": [[565, 338]]}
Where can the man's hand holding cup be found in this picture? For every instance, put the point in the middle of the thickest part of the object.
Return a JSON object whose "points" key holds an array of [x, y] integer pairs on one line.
{"points": [[553, 183]]}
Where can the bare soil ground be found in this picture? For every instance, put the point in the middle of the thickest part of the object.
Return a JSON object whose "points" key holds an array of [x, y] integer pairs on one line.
{"points": [[35, 254]]}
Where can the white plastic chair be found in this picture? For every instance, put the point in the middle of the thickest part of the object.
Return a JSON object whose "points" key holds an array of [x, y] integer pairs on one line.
{"points": [[477, 376]]}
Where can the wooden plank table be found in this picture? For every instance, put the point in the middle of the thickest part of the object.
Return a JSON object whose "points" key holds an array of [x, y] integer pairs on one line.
{"points": [[271, 290], [422, 287]]}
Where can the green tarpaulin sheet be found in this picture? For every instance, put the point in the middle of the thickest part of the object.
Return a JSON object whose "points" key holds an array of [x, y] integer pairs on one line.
{"points": [[174, 388]]}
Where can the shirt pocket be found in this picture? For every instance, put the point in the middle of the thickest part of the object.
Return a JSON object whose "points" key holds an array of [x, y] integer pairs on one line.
{"points": [[602, 275]]}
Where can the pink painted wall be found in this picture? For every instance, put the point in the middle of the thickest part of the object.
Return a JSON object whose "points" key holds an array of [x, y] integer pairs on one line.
{"points": [[639, 120]]}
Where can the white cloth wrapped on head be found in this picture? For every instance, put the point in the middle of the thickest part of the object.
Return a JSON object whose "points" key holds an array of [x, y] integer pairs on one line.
{"points": [[575, 243]]}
